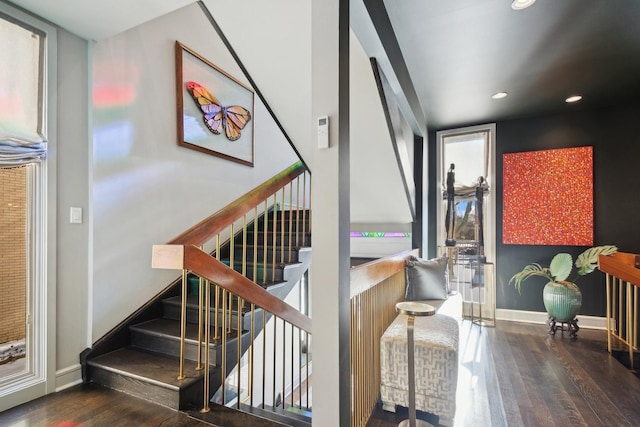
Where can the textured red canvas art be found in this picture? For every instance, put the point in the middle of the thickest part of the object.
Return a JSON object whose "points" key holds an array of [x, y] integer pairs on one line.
{"points": [[548, 197]]}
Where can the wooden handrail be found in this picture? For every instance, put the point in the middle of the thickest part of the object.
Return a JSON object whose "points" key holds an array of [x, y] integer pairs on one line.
{"points": [[189, 257], [368, 275], [206, 229], [620, 265]]}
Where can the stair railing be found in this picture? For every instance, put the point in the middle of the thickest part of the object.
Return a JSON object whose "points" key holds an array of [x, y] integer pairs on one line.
{"points": [[376, 287], [186, 252], [622, 282]]}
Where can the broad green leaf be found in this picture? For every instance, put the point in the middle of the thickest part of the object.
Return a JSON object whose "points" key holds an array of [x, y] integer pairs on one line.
{"points": [[530, 270], [588, 260], [561, 266]]}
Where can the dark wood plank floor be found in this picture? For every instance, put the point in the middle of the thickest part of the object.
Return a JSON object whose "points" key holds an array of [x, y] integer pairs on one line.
{"points": [[96, 406], [517, 375], [511, 375]]}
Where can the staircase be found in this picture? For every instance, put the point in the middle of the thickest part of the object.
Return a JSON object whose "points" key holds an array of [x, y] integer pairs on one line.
{"points": [[141, 356]]}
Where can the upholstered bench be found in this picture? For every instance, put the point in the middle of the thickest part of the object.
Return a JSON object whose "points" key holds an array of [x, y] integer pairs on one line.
{"points": [[436, 359]]}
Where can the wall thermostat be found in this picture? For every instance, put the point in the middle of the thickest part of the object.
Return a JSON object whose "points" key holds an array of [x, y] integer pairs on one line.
{"points": [[323, 132]]}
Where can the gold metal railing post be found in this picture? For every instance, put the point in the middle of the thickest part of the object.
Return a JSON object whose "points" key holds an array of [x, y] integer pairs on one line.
{"points": [[282, 230], [216, 291], [265, 234], [224, 346], [297, 212], [630, 324], [608, 282], [239, 347], [207, 341], [275, 334], [635, 317], [200, 297], [275, 222], [255, 245], [251, 360], [290, 220], [183, 323], [244, 245], [264, 356], [284, 361]]}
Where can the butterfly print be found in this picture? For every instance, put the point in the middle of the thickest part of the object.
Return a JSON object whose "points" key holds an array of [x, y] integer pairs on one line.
{"points": [[231, 119]]}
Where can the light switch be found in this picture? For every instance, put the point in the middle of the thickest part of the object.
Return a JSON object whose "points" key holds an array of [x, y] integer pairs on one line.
{"points": [[75, 215]]}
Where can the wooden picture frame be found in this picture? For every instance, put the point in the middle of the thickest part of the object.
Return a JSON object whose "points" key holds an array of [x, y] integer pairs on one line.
{"points": [[214, 110]]}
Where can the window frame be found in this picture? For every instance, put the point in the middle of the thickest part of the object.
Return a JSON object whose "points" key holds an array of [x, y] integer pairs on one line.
{"points": [[40, 376]]}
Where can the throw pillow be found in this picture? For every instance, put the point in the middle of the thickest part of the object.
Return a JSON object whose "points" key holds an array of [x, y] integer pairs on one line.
{"points": [[426, 279]]}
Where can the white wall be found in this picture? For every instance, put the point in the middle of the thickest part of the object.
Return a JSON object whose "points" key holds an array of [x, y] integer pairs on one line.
{"points": [[273, 42], [377, 192], [72, 244], [146, 188]]}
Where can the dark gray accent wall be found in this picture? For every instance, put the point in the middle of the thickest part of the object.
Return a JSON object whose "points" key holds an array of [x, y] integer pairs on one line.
{"points": [[615, 136]]}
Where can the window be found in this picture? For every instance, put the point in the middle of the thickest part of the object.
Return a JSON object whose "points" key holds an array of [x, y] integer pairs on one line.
{"points": [[27, 67], [470, 150]]}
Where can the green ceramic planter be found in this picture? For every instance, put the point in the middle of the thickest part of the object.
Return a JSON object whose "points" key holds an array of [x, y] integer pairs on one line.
{"points": [[562, 302]]}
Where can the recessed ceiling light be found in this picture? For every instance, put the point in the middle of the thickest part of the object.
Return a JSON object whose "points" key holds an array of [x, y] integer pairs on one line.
{"points": [[499, 95], [521, 4], [574, 98]]}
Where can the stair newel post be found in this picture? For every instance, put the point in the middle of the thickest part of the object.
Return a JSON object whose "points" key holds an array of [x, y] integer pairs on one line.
{"points": [[290, 220], [183, 323], [207, 341], [224, 345]]}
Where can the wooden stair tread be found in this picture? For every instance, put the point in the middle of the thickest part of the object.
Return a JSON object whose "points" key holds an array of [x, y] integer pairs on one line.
{"points": [[170, 329], [147, 366]]}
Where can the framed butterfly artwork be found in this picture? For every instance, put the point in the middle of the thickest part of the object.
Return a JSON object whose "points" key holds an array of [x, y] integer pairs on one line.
{"points": [[215, 111]]}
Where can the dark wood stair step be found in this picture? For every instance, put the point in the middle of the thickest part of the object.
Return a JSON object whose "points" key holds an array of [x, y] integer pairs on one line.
{"points": [[173, 310], [148, 375], [162, 335]]}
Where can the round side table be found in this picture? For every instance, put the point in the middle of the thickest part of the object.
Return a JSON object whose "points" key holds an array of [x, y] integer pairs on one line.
{"points": [[413, 309]]}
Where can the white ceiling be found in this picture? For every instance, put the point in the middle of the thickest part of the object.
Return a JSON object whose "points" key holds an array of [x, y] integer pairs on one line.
{"points": [[96, 20]]}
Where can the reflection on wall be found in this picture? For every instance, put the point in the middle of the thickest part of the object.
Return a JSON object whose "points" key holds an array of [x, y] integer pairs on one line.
{"points": [[548, 197]]}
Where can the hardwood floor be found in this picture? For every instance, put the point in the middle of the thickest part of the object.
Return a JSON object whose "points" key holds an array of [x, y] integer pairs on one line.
{"points": [[518, 375], [511, 375], [96, 406]]}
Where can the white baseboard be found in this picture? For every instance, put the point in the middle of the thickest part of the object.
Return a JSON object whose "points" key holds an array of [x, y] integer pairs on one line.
{"points": [[68, 377], [540, 317]]}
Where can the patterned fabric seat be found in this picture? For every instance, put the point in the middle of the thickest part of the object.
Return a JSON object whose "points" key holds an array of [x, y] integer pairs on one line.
{"points": [[436, 361]]}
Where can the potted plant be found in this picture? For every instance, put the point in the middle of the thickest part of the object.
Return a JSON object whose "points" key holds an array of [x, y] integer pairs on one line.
{"points": [[562, 298]]}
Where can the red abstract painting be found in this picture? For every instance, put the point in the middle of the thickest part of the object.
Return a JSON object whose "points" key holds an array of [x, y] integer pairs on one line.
{"points": [[548, 197]]}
